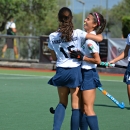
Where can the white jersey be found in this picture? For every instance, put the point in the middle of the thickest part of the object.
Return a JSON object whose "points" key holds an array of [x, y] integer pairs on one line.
{"points": [[10, 25], [128, 43], [61, 48], [88, 48]]}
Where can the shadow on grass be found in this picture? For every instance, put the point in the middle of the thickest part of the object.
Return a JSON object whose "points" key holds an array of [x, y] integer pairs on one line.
{"points": [[128, 108]]}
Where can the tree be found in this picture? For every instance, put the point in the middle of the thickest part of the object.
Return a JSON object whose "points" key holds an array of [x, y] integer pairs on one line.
{"points": [[34, 17], [40, 17], [125, 26], [7, 9], [116, 18]]}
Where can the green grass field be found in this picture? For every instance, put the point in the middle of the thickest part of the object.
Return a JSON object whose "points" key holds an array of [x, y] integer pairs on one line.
{"points": [[25, 99]]}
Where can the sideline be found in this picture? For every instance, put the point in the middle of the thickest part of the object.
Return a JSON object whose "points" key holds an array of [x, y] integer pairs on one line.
{"points": [[22, 76], [27, 69], [44, 70]]}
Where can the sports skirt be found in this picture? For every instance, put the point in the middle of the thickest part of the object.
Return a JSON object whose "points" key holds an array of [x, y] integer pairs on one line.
{"points": [[127, 75], [68, 77], [90, 79]]}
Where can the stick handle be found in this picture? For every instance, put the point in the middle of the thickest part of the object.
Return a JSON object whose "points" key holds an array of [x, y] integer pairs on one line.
{"points": [[106, 64]]}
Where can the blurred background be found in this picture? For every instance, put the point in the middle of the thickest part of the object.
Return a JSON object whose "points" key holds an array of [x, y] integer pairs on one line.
{"points": [[36, 19]]}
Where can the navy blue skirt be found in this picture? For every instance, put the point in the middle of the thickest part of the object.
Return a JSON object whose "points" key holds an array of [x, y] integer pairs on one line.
{"points": [[69, 77], [127, 75], [90, 79]]}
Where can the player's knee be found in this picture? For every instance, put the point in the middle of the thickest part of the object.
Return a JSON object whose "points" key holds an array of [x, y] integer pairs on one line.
{"points": [[88, 109], [64, 102], [75, 106]]}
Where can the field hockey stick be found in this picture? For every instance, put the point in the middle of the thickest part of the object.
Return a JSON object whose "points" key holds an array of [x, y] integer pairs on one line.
{"points": [[52, 110], [120, 105], [106, 64]]}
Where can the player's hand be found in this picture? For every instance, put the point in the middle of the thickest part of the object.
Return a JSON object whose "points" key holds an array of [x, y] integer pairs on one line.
{"points": [[77, 54], [111, 62]]}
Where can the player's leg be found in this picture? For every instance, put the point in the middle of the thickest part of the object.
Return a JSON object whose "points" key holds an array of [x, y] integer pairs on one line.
{"points": [[16, 49], [127, 80], [128, 91], [88, 100], [83, 123], [60, 109], [52, 110], [75, 104], [4, 50]]}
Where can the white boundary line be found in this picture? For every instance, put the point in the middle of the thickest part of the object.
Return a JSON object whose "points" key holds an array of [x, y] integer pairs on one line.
{"points": [[22, 76], [111, 80]]}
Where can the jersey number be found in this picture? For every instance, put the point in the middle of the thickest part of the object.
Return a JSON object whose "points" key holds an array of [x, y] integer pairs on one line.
{"points": [[69, 49]]}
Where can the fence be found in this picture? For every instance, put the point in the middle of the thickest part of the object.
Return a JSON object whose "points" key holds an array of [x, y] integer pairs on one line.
{"points": [[29, 48], [35, 49]]}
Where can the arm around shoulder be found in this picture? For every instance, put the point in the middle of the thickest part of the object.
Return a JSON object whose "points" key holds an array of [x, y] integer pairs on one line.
{"points": [[97, 38]]}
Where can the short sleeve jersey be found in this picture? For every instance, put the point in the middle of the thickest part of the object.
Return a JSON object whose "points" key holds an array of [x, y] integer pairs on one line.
{"points": [[10, 25], [88, 48], [61, 47], [128, 43]]}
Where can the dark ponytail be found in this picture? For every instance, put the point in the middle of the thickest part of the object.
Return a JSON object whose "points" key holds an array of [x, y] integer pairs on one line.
{"points": [[65, 23]]}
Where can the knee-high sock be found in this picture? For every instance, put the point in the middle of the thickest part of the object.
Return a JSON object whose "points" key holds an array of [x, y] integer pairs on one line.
{"points": [[75, 119], [59, 116], [92, 122], [83, 122]]}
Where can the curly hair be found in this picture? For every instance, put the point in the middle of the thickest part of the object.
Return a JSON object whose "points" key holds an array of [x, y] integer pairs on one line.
{"points": [[65, 23], [101, 22]]}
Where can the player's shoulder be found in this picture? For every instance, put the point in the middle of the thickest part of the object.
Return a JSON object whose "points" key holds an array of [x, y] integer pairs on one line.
{"points": [[89, 40], [13, 23], [78, 30], [93, 32], [128, 35], [54, 34]]}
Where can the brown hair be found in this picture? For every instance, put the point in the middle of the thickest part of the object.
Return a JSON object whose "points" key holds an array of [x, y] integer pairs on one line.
{"points": [[65, 23], [101, 22]]}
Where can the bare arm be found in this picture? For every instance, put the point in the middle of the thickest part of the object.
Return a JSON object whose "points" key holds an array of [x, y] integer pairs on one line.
{"points": [[123, 55], [97, 38], [95, 59], [53, 55], [14, 30]]}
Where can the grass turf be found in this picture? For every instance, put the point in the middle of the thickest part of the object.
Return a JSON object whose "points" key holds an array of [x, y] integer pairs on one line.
{"points": [[25, 101]]}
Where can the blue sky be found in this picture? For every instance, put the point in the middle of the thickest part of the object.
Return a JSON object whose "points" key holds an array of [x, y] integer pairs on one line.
{"points": [[89, 4]]}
